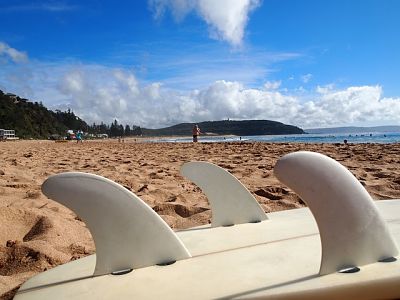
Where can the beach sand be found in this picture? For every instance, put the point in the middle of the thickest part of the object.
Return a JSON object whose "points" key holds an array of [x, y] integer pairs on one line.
{"points": [[37, 234]]}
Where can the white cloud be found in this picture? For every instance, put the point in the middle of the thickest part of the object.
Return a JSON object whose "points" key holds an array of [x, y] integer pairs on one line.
{"points": [[306, 78], [352, 105], [324, 89], [179, 8], [227, 19], [153, 105], [99, 94], [272, 85], [11, 53]]}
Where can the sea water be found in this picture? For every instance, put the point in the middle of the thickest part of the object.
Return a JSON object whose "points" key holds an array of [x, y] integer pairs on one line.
{"points": [[362, 137]]}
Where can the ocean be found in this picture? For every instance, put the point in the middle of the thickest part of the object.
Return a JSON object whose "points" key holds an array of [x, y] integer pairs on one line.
{"points": [[362, 137]]}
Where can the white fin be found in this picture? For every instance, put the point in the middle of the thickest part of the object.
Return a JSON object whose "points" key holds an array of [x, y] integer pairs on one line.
{"points": [[352, 231], [127, 232], [231, 203]]}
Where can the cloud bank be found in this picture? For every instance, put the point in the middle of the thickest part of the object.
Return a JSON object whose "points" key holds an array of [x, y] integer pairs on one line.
{"points": [[98, 93], [108, 94], [227, 19]]}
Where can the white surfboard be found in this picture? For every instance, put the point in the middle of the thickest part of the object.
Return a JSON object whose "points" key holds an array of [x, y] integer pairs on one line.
{"points": [[279, 258]]}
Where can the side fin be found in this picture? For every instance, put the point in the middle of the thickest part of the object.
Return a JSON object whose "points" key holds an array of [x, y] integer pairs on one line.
{"points": [[126, 231], [231, 203], [352, 231]]}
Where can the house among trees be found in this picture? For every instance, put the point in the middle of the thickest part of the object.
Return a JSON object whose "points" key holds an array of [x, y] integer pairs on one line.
{"points": [[6, 134]]}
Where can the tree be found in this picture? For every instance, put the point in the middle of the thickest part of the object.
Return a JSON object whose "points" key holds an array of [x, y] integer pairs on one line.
{"points": [[103, 128], [136, 130], [127, 130], [114, 129], [121, 130]]}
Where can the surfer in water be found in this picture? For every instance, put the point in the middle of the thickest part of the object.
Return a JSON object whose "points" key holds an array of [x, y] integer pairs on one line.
{"points": [[196, 132]]}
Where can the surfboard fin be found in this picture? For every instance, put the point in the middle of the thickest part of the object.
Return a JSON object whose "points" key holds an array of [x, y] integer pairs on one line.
{"points": [[231, 202], [352, 231], [127, 233]]}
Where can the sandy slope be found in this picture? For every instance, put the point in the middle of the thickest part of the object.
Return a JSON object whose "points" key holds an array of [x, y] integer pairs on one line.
{"points": [[37, 234]]}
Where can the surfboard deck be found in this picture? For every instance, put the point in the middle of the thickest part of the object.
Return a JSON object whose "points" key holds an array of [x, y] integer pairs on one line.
{"points": [[278, 258], [343, 246]]}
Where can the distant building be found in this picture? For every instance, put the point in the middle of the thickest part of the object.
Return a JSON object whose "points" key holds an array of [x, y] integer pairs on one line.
{"points": [[71, 135], [12, 96], [20, 100], [7, 135]]}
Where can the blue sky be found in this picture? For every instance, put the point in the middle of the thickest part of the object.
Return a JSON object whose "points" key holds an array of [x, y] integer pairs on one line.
{"points": [[155, 63]]}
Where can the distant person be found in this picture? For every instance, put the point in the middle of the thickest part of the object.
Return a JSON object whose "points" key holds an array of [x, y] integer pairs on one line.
{"points": [[79, 136], [196, 132]]}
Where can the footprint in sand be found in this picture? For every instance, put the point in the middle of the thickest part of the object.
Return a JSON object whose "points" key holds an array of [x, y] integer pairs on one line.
{"points": [[173, 209], [272, 193], [40, 228]]}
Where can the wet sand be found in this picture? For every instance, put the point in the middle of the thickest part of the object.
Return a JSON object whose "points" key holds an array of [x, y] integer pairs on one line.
{"points": [[37, 234]]}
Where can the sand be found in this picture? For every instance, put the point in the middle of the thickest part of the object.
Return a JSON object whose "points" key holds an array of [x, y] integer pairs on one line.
{"points": [[37, 234]]}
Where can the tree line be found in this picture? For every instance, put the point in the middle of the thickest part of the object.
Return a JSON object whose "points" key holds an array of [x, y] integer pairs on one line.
{"points": [[114, 129], [34, 120]]}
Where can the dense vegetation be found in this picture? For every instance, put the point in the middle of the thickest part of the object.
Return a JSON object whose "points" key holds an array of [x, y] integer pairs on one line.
{"points": [[33, 120], [239, 128]]}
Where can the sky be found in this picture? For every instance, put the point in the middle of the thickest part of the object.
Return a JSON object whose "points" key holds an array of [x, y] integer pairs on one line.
{"points": [[156, 63]]}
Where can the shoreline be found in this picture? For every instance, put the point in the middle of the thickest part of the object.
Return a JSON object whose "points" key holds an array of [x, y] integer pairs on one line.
{"points": [[319, 138], [38, 233]]}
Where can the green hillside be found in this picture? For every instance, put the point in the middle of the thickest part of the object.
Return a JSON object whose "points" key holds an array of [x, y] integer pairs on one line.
{"points": [[239, 128], [33, 120]]}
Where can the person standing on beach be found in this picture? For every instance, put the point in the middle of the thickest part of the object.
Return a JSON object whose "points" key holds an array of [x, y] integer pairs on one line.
{"points": [[79, 136], [196, 132]]}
